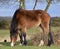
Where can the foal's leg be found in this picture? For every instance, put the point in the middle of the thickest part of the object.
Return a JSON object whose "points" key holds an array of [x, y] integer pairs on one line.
{"points": [[48, 34], [42, 36], [50, 37], [46, 27], [13, 38], [47, 38], [23, 37]]}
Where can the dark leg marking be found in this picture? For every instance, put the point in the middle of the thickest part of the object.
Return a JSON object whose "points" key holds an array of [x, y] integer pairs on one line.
{"points": [[21, 38], [50, 39], [24, 35]]}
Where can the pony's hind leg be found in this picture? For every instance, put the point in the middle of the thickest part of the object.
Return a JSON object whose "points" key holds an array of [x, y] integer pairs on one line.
{"points": [[13, 38], [47, 34], [42, 36]]}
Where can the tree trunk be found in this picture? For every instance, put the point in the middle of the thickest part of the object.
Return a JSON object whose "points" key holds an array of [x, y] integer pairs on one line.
{"points": [[22, 4], [47, 7]]}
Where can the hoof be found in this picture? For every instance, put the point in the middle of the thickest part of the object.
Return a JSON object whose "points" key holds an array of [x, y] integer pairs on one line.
{"points": [[20, 44], [41, 43], [12, 44]]}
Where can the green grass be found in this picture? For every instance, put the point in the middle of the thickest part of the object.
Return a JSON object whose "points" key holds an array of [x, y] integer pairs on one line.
{"points": [[55, 29], [32, 31], [4, 33], [7, 46], [17, 46]]}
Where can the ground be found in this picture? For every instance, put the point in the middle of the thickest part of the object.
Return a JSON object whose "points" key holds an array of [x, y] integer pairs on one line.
{"points": [[4, 34]]}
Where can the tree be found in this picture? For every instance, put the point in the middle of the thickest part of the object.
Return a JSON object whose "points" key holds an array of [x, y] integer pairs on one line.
{"points": [[48, 1], [47, 7], [4, 24], [35, 4], [22, 2]]}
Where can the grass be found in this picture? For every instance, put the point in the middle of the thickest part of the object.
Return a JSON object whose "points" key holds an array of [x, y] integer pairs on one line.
{"points": [[17, 46], [4, 33], [32, 31], [6, 46], [55, 29]]}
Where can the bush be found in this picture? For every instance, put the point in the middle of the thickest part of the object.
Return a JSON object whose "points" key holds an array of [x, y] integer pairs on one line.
{"points": [[55, 21], [35, 39], [4, 24]]}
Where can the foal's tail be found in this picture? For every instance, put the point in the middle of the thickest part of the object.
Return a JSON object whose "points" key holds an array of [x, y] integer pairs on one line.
{"points": [[50, 40]]}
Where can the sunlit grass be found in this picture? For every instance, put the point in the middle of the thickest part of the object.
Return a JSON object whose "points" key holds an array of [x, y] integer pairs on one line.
{"points": [[7, 46], [55, 29], [4, 33], [32, 31]]}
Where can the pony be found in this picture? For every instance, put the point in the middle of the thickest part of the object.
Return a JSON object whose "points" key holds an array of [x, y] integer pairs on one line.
{"points": [[26, 19]]}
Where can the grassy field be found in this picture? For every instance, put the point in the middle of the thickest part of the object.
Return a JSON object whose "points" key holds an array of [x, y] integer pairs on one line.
{"points": [[30, 47], [5, 33], [17, 46], [32, 31]]}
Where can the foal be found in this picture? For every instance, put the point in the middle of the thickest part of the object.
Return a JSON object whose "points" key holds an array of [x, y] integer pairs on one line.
{"points": [[23, 19]]}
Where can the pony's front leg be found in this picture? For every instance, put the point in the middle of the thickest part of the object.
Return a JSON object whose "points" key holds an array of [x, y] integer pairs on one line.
{"points": [[22, 36], [25, 42], [13, 39]]}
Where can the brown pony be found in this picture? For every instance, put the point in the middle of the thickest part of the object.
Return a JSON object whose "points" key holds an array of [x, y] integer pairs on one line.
{"points": [[23, 19]]}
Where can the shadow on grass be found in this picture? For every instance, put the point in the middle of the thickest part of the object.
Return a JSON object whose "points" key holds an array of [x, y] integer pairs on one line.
{"points": [[29, 43], [5, 43]]}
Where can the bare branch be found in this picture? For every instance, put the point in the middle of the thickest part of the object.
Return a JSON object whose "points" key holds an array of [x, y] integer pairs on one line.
{"points": [[35, 4], [47, 7]]}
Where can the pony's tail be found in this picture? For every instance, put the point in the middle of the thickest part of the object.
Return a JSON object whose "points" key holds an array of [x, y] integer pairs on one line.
{"points": [[50, 40], [50, 25]]}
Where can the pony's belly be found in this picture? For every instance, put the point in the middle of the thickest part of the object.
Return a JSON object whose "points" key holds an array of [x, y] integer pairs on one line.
{"points": [[33, 24]]}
